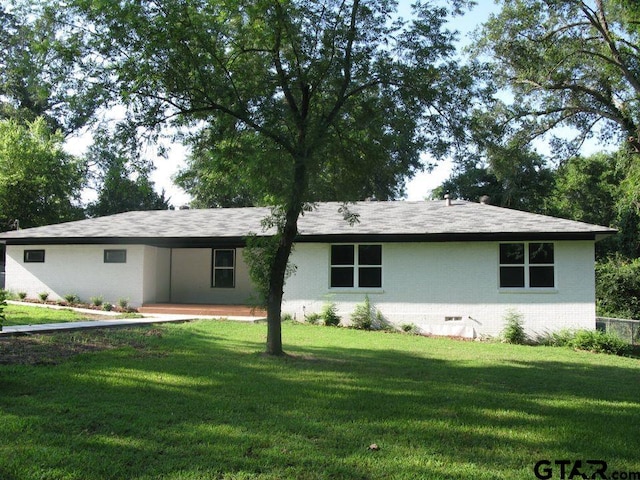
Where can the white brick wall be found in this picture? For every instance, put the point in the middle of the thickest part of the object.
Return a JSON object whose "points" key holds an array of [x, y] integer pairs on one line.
{"points": [[425, 282], [77, 269]]}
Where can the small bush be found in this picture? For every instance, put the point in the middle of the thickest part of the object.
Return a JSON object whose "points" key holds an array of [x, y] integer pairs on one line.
{"points": [[43, 296], [560, 338], [588, 340], [123, 303], [514, 328], [22, 295], [367, 317], [96, 301], [286, 317], [329, 315], [599, 342], [313, 318], [71, 298], [411, 328], [107, 307]]}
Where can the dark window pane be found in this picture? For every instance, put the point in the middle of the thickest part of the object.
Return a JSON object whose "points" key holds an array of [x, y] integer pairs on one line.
{"points": [[342, 255], [541, 277], [224, 258], [370, 255], [370, 277], [34, 256], [511, 277], [223, 278], [342, 277], [541, 253], [512, 253], [115, 256]]}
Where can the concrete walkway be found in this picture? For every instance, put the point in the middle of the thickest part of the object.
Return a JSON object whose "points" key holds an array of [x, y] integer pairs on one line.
{"points": [[108, 322]]}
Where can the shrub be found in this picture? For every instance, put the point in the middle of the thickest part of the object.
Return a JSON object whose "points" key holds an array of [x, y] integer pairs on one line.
{"points": [[313, 318], [599, 342], [589, 340], [123, 303], [96, 301], [367, 317], [107, 307], [71, 298], [560, 338], [287, 317], [411, 328], [43, 296], [22, 295], [514, 328], [329, 315]]}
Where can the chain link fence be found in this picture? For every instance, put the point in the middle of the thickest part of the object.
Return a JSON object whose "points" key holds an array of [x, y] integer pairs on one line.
{"points": [[627, 330]]}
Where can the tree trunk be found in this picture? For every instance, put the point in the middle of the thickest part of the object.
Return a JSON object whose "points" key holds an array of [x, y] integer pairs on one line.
{"points": [[288, 233]]}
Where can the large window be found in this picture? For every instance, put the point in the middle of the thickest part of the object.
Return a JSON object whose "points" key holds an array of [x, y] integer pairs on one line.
{"points": [[224, 267], [527, 265], [34, 256], [356, 266]]}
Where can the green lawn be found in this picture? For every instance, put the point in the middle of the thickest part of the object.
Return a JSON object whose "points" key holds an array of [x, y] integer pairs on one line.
{"points": [[27, 315], [199, 401]]}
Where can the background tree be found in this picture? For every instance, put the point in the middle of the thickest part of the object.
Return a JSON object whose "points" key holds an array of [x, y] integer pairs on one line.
{"points": [[40, 184], [316, 91], [572, 63], [118, 192], [38, 75], [120, 177], [511, 177]]}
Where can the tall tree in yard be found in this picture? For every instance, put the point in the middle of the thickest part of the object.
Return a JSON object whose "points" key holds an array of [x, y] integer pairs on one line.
{"points": [[572, 63], [305, 100]]}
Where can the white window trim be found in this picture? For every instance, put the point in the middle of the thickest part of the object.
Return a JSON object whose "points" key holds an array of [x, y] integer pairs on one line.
{"points": [[527, 288], [356, 288], [214, 267]]}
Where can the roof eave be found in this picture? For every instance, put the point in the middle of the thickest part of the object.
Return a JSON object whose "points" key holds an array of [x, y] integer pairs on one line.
{"points": [[178, 242]]}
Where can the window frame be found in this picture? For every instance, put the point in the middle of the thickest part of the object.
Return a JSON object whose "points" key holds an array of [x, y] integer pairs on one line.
{"points": [[215, 268], [26, 255], [356, 266], [111, 251], [526, 267]]}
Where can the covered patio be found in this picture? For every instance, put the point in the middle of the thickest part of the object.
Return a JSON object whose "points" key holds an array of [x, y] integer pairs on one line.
{"points": [[201, 309]]}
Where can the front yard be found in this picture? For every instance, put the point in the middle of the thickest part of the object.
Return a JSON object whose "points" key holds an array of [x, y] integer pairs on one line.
{"points": [[199, 401]]}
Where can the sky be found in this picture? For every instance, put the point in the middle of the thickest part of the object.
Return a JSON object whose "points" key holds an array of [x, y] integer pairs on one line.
{"points": [[418, 188]]}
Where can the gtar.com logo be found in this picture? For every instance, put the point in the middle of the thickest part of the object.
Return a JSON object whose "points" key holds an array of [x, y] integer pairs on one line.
{"points": [[579, 469]]}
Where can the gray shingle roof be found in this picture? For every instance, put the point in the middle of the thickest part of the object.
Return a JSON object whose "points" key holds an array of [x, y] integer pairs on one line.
{"points": [[430, 220]]}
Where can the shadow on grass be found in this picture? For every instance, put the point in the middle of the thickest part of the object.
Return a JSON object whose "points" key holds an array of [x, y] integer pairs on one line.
{"points": [[200, 402]]}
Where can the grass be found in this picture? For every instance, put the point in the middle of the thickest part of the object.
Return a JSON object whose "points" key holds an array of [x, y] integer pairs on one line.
{"points": [[199, 401], [28, 315]]}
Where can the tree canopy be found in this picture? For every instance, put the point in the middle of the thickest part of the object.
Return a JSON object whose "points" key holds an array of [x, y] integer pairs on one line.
{"points": [[305, 100], [572, 63], [38, 75], [40, 184]]}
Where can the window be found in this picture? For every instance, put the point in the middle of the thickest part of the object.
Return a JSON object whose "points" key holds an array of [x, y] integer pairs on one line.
{"points": [[224, 266], [115, 256], [34, 256], [527, 265], [356, 266]]}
